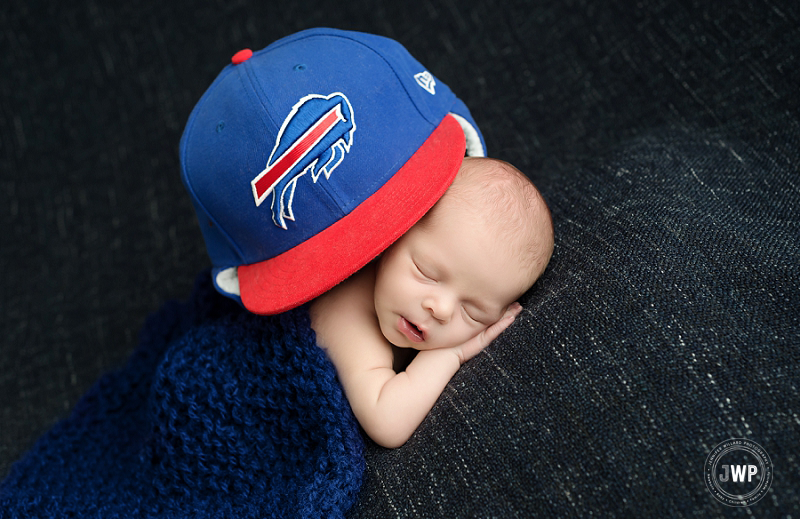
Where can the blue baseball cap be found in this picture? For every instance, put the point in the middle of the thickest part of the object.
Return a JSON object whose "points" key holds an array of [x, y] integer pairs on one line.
{"points": [[307, 159]]}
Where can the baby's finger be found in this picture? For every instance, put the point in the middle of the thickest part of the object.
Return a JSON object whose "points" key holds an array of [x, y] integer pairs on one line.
{"points": [[493, 331], [513, 309], [483, 339]]}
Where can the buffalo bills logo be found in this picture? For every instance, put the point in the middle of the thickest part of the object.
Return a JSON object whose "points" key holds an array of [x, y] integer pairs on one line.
{"points": [[314, 138]]}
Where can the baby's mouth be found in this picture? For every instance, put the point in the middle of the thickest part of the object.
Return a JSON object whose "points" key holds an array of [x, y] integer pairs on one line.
{"points": [[410, 330]]}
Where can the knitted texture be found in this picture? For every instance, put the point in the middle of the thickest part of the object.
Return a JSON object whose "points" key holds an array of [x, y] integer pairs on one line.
{"points": [[218, 413]]}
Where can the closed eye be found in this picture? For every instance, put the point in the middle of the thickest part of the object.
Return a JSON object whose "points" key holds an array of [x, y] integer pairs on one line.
{"points": [[470, 317], [422, 272]]}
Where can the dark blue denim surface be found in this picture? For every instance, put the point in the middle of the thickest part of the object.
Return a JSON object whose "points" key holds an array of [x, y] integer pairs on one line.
{"points": [[664, 134]]}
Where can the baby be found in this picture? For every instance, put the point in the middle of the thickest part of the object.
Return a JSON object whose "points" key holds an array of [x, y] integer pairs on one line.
{"points": [[443, 291]]}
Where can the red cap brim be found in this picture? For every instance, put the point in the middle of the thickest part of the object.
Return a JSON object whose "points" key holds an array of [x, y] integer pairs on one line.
{"points": [[319, 263]]}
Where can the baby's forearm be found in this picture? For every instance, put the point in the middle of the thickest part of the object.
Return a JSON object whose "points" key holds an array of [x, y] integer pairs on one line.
{"points": [[405, 399]]}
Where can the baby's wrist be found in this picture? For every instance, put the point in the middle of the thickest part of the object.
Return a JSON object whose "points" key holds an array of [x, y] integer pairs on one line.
{"points": [[445, 357]]}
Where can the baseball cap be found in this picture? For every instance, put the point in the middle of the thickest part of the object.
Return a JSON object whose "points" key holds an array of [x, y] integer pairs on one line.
{"points": [[307, 159]]}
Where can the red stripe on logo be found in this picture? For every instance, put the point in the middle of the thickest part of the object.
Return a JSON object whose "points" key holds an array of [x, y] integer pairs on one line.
{"points": [[267, 179]]}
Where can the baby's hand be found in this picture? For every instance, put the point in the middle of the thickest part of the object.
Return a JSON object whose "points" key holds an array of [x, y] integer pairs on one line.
{"points": [[475, 345]]}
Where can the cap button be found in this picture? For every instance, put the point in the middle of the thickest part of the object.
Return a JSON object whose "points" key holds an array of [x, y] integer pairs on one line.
{"points": [[241, 56]]}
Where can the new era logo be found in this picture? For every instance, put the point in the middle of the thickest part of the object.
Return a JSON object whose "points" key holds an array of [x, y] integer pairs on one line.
{"points": [[426, 81]]}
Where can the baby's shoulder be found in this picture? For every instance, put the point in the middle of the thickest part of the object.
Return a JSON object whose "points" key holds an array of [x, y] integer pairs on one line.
{"points": [[345, 323], [352, 297]]}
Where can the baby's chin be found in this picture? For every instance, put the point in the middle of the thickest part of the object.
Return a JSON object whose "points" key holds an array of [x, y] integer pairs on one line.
{"points": [[430, 345], [392, 337], [402, 342]]}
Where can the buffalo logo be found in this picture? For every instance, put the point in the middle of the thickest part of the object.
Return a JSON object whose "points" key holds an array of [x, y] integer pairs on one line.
{"points": [[314, 138]]}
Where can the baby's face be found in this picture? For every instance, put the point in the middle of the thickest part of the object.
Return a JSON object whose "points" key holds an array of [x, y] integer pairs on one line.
{"points": [[446, 280]]}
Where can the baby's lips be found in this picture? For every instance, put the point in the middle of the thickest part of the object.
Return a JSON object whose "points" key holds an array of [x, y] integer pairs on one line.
{"points": [[410, 331]]}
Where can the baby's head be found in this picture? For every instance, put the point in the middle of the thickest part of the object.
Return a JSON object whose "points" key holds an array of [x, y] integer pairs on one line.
{"points": [[483, 244]]}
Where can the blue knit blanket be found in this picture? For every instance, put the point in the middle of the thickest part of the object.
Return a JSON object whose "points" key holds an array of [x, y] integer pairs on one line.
{"points": [[218, 413]]}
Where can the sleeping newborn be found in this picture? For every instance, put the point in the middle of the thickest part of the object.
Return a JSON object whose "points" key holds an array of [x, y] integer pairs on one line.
{"points": [[399, 329]]}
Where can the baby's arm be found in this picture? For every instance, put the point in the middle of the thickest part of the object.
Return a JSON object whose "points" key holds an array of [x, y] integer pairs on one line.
{"points": [[404, 399], [388, 405]]}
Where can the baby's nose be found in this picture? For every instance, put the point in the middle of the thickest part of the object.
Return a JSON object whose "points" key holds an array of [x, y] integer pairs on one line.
{"points": [[440, 307]]}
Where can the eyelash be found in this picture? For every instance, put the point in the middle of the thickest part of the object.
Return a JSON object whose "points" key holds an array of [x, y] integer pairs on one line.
{"points": [[421, 273], [469, 316]]}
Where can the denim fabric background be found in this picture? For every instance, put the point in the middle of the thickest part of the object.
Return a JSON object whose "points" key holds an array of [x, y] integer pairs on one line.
{"points": [[664, 135]]}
